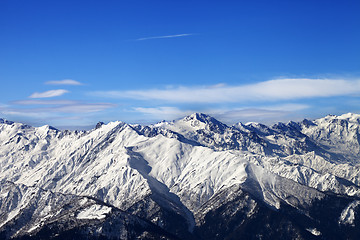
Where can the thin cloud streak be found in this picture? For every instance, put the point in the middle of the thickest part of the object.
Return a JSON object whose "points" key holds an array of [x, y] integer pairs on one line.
{"points": [[74, 107], [49, 94], [259, 110], [64, 82], [286, 107], [84, 108], [163, 113], [247, 113], [273, 90], [44, 102], [166, 36], [267, 114]]}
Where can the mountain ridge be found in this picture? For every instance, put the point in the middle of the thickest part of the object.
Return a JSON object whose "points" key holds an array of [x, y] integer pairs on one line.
{"points": [[175, 174]]}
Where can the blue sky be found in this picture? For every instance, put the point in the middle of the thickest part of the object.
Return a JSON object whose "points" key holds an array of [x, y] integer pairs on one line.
{"points": [[74, 63]]}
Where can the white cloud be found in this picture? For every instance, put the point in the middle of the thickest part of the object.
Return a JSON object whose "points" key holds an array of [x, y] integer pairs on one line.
{"points": [[266, 116], [33, 113], [64, 82], [68, 106], [62, 107], [290, 107], [160, 113], [84, 108], [2, 106], [49, 94], [249, 113], [44, 102], [273, 90], [166, 36]]}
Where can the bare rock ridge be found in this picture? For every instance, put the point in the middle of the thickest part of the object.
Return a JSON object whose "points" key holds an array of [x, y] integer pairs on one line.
{"points": [[192, 178]]}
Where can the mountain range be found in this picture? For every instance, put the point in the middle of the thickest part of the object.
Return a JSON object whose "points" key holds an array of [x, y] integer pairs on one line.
{"points": [[192, 178]]}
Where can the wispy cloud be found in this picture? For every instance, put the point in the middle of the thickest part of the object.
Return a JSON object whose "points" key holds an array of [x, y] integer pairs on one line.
{"points": [[273, 90], [26, 113], [253, 114], [286, 107], [36, 109], [162, 113], [44, 102], [77, 107], [166, 36], [264, 114], [84, 107], [247, 113], [64, 82], [49, 94]]}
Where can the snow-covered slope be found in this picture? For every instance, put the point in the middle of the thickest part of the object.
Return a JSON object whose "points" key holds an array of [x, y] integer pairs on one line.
{"points": [[175, 174], [30, 212], [338, 134]]}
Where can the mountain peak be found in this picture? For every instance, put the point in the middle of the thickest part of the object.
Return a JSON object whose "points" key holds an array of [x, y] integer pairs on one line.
{"points": [[180, 176], [350, 116], [339, 119], [307, 123], [2, 120], [199, 116], [98, 125], [205, 121]]}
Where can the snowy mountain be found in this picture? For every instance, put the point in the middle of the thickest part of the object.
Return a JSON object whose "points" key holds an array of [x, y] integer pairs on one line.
{"points": [[42, 214], [193, 178]]}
